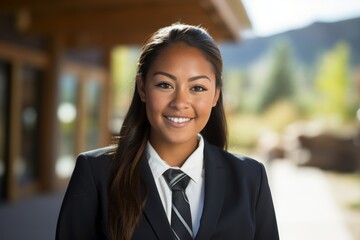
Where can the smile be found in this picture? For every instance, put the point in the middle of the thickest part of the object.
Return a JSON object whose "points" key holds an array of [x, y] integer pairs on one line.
{"points": [[178, 120]]}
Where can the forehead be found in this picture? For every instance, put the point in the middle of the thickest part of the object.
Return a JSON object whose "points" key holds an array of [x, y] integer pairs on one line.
{"points": [[181, 55], [180, 47]]}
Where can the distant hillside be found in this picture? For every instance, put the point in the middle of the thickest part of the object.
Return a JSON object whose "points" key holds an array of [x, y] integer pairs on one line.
{"points": [[308, 43]]}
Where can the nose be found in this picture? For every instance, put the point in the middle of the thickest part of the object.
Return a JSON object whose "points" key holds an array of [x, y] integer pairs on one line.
{"points": [[181, 99]]}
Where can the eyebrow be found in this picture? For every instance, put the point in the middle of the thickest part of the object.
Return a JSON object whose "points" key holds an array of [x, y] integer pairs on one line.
{"points": [[174, 78]]}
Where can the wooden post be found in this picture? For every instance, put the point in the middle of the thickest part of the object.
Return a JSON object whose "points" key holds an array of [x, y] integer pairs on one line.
{"points": [[15, 130], [49, 128]]}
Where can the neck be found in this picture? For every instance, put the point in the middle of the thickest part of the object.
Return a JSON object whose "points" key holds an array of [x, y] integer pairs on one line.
{"points": [[175, 154]]}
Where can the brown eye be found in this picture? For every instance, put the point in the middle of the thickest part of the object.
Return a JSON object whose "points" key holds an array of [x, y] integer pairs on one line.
{"points": [[198, 89], [164, 85]]}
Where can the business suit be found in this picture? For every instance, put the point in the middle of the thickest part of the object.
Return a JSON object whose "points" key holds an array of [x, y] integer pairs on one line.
{"points": [[237, 204]]}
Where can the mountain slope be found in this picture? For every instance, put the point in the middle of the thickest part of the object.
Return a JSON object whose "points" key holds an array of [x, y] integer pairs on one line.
{"points": [[308, 43]]}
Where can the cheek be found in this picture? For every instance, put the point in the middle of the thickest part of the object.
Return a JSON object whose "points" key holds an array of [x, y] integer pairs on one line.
{"points": [[154, 102], [211, 98], [204, 106]]}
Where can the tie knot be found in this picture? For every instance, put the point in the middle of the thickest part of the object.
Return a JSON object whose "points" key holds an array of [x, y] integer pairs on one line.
{"points": [[176, 179]]}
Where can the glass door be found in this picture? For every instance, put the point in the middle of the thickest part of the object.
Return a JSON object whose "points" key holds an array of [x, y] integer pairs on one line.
{"points": [[92, 114], [27, 165]]}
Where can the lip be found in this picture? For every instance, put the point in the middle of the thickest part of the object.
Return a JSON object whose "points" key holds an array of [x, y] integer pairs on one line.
{"points": [[177, 121]]}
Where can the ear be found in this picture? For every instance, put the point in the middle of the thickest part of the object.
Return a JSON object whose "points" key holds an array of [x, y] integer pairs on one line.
{"points": [[141, 88], [216, 97]]}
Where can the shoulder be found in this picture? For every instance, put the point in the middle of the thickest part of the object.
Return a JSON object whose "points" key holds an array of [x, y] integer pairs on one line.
{"points": [[104, 152], [96, 161], [246, 161], [90, 173], [99, 155], [234, 163], [224, 157]]}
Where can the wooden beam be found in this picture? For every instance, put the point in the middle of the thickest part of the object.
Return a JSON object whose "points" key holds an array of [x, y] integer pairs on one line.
{"points": [[222, 13], [113, 22], [91, 40], [23, 54], [120, 25], [240, 13], [119, 19], [12, 6]]}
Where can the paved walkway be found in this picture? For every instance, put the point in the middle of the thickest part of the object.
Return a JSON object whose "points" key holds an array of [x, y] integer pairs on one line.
{"points": [[34, 218], [305, 207]]}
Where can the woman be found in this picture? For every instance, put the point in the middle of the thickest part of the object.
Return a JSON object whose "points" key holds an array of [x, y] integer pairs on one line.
{"points": [[176, 121]]}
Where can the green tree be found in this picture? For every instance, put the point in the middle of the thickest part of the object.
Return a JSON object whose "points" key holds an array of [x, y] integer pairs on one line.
{"points": [[332, 83], [123, 70], [234, 89], [279, 85]]}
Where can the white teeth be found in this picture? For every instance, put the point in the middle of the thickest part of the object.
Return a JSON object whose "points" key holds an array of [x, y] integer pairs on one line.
{"points": [[178, 120]]}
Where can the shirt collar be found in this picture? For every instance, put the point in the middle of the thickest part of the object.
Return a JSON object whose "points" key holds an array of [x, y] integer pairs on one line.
{"points": [[193, 166]]}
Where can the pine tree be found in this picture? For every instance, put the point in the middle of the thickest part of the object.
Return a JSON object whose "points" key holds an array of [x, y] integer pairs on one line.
{"points": [[279, 84]]}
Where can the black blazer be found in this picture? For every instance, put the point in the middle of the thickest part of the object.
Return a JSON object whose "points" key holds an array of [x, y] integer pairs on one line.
{"points": [[237, 205]]}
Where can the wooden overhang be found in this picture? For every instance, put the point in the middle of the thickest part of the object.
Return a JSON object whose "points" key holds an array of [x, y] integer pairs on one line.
{"points": [[89, 23]]}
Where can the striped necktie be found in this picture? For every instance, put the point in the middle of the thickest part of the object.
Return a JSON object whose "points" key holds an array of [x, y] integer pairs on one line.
{"points": [[180, 214]]}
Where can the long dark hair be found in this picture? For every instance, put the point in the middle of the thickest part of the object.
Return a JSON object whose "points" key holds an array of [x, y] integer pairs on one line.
{"points": [[125, 200]]}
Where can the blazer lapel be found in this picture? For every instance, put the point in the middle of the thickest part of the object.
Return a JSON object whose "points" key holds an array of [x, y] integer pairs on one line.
{"points": [[153, 210], [214, 191]]}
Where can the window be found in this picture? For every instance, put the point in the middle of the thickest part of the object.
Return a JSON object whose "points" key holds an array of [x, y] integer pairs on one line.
{"points": [[67, 116], [81, 120], [93, 114]]}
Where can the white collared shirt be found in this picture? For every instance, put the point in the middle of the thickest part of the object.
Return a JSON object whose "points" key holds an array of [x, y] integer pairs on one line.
{"points": [[193, 167]]}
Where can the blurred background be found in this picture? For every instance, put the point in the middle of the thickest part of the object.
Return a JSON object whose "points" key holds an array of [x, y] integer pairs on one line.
{"points": [[291, 89]]}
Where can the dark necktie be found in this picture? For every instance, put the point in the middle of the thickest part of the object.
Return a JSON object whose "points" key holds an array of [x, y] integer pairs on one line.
{"points": [[180, 214]]}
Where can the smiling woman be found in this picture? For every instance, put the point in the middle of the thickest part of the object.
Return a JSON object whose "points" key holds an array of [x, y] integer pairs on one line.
{"points": [[179, 92], [169, 176]]}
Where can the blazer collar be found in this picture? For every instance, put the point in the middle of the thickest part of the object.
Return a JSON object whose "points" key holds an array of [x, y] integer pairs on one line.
{"points": [[153, 210], [214, 196], [214, 191]]}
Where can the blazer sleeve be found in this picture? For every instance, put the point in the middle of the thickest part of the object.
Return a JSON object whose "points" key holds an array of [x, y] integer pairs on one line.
{"points": [[79, 211], [266, 224]]}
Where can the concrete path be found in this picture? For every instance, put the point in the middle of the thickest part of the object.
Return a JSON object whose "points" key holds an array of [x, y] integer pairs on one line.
{"points": [[34, 218], [304, 205]]}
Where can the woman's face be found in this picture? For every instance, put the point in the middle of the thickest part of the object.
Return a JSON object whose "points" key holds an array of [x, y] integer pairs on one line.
{"points": [[179, 92]]}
